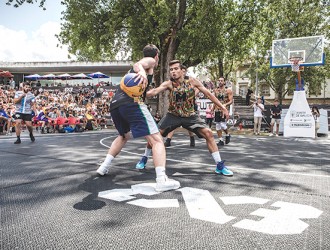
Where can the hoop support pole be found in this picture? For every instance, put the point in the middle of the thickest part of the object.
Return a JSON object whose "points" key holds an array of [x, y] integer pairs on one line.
{"points": [[299, 80]]}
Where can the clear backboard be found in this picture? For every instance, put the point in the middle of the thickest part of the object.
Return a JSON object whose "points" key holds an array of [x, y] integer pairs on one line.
{"points": [[310, 49]]}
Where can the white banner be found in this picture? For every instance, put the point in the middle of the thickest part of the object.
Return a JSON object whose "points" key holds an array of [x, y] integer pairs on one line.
{"points": [[202, 105], [299, 121]]}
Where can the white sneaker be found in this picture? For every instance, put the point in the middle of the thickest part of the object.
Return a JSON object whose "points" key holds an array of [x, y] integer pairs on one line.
{"points": [[271, 134], [164, 184], [276, 134], [103, 169]]}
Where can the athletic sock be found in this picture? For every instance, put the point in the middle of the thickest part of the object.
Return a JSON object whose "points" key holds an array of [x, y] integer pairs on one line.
{"points": [[147, 152], [108, 160], [160, 171], [216, 156]]}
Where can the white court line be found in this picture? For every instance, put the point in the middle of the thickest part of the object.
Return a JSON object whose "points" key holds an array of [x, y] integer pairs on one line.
{"points": [[212, 165]]}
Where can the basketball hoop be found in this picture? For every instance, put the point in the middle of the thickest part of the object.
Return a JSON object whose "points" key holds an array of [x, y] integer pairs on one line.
{"points": [[295, 63]]}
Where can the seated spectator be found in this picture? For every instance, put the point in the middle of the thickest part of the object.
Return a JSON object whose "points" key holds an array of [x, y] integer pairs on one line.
{"points": [[5, 119], [90, 120], [43, 119], [157, 117]]}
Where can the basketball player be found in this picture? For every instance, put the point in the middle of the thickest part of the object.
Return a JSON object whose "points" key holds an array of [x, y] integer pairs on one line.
{"points": [[130, 115], [24, 101], [181, 111], [170, 134], [225, 96]]}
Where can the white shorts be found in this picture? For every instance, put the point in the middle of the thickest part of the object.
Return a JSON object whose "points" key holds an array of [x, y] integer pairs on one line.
{"points": [[277, 121], [220, 125]]}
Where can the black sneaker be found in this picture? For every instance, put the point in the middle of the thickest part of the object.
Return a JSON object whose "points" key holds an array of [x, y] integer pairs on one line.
{"points": [[32, 138], [227, 139], [221, 143], [18, 141], [192, 141], [167, 143]]}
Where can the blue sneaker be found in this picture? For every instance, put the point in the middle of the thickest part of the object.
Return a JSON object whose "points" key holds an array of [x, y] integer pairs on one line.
{"points": [[142, 163], [222, 169]]}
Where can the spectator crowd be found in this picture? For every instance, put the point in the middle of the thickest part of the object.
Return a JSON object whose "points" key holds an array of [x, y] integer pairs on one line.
{"points": [[62, 109]]}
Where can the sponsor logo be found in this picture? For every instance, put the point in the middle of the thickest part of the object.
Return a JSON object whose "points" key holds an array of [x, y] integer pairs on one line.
{"points": [[300, 125]]}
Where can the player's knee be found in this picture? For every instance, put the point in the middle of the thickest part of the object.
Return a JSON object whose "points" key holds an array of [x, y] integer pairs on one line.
{"points": [[208, 133]]}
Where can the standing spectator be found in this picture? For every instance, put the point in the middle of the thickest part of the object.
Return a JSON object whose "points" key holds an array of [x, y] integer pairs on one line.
{"points": [[209, 115], [248, 96], [24, 101], [12, 83], [258, 109], [4, 117], [316, 115], [275, 112]]}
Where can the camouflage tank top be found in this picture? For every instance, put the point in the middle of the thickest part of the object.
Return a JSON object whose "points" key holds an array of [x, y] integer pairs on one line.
{"points": [[182, 99], [222, 96]]}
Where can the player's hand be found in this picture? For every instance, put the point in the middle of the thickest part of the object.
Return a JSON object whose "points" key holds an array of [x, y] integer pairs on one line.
{"points": [[141, 77], [225, 113]]}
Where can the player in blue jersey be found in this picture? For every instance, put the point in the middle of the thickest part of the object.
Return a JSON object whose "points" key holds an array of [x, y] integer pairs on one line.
{"points": [[24, 101], [132, 116]]}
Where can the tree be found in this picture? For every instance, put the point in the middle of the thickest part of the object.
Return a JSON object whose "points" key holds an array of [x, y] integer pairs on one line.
{"points": [[182, 29], [18, 3]]}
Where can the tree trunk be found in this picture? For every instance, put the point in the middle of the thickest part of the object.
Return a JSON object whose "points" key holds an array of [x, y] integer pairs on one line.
{"points": [[169, 52], [220, 67]]}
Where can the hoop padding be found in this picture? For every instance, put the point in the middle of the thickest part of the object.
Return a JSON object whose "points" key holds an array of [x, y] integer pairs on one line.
{"points": [[295, 63]]}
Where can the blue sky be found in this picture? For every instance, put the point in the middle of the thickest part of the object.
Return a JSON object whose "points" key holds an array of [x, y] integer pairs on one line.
{"points": [[28, 32]]}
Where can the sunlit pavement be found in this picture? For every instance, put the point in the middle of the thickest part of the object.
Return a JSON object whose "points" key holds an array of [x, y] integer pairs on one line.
{"points": [[51, 197]]}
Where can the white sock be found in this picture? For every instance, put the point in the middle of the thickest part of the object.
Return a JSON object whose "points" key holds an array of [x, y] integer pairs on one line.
{"points": [[108, 160], [160, 171], [216, 156], [147, 152]]}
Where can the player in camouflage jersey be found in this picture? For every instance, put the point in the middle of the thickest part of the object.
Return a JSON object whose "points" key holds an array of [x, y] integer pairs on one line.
{"points": [[181, 112], [225, 96]]}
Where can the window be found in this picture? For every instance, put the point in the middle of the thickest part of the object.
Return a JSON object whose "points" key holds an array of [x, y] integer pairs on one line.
{"points": [[265, 90]]}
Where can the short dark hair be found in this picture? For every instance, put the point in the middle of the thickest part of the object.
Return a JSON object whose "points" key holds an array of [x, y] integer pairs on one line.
{"points": [[175, 62], [26, 84], [276, 100], [150, 50]]}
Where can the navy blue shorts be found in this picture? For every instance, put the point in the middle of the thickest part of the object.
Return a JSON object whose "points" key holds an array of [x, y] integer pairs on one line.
{"points": [[134, 117]]}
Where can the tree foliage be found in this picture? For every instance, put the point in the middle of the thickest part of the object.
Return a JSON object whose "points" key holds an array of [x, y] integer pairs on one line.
{"points": [[190, 30], [18, 3]]}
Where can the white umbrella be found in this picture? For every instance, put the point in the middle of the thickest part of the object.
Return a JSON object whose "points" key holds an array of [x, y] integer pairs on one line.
{"points": [[80, 76], [48, 77], [63, 76]]}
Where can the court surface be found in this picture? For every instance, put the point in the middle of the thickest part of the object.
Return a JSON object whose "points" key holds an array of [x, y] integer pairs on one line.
{"points": [[51, 197]]}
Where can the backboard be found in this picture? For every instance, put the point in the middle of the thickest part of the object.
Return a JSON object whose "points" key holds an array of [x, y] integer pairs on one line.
{"points": [[311, 49]]}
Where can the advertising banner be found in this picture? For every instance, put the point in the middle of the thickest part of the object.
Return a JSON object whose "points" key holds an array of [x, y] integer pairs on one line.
{"points": [[299, 121]]}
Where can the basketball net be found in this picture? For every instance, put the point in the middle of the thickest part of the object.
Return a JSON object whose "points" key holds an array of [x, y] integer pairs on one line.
{"points": [[295, 63]]}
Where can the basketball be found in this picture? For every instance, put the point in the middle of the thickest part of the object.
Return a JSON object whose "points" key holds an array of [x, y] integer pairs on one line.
{"points": [[131, 86]]}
